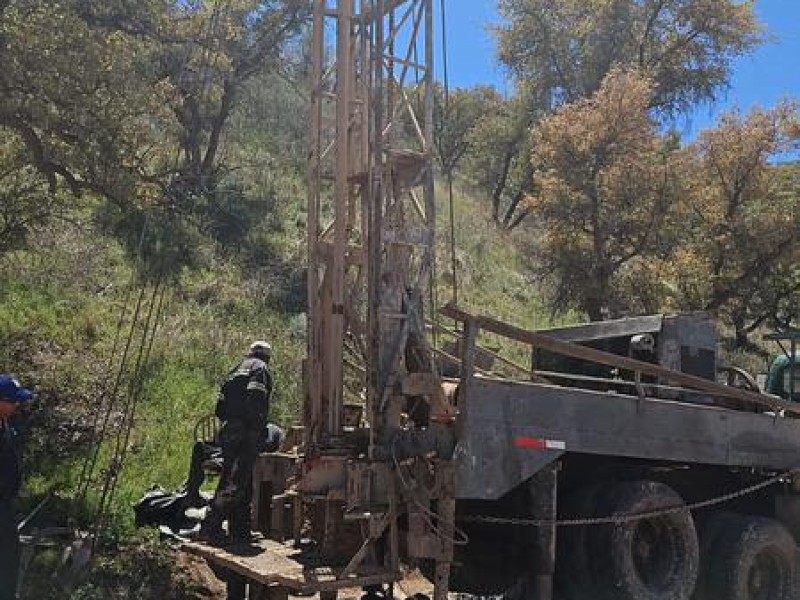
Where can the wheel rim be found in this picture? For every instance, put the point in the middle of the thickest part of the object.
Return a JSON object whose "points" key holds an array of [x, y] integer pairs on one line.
{"points": [[653, 552], [764, 577]]}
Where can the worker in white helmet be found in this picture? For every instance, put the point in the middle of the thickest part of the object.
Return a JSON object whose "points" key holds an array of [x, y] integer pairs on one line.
{"points": [[243, 407]]}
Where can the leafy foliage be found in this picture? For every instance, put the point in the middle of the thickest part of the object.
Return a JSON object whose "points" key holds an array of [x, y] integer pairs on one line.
{"points": [[564, 49], [631, 222], [745, 213], [131, 102], [92, 115], [560, 52], [456, 113], [499, 160], [25, 198], [606, 185]]}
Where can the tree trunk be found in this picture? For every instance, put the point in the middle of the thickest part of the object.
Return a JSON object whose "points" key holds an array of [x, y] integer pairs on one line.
{"points": [[742, 340], [594, 309]]}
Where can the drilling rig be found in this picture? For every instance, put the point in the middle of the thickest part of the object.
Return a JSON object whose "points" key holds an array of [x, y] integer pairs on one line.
{"points": [[614, 465], [373, 396], [377, 419]]}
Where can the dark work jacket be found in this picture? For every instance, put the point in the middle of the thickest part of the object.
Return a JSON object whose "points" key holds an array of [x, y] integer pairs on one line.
{"points": [[10, 462], [245, 395]]}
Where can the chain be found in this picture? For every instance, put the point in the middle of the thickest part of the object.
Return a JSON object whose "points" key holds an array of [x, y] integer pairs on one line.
{"points": [[630, 518]]}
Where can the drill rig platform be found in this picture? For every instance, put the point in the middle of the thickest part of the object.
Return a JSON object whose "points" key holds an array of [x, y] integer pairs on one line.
{"points": [[280, 568]]}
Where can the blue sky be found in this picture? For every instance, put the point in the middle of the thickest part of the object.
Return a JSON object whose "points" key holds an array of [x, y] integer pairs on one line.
{"points": [[770, 74]]}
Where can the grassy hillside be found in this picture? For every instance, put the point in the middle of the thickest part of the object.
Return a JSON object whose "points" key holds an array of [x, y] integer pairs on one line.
{"points": [[493, 272], [492, 269], [59, 314], [61, 332], [66, 311]]}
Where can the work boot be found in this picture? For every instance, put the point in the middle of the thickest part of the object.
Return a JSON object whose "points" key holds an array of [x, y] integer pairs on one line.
{"points": [[213, 537], [373, 592], [211, 531], [242, 537]]}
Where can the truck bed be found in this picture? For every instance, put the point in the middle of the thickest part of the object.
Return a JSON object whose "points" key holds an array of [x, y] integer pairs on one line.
{"points": [[509, 430]]}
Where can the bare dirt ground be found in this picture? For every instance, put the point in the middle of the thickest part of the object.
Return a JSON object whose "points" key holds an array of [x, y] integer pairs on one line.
{"points": [[196, 569]]}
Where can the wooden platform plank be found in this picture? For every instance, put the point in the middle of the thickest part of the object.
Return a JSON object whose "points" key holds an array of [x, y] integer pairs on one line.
{"points": [[268, 562]]}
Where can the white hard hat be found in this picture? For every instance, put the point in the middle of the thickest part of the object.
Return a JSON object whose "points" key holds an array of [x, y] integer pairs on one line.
{"points": [[261, 349]]}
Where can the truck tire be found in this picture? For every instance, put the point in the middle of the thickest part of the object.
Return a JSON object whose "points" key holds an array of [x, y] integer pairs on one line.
{"points": [[575, 568], [648, 559], [753, 559], [709, 532]]}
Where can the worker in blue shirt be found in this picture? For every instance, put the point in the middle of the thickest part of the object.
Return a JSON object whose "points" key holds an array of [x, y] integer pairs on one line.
{"points": [[12, 397]]}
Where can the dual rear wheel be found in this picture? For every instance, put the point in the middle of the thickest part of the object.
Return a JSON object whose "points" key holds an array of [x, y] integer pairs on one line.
{"points": [[661, 558], [646, 559], [747, 558]]}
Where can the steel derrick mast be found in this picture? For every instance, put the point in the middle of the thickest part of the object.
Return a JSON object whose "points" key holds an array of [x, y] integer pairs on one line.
{"points": [[370, 206]]}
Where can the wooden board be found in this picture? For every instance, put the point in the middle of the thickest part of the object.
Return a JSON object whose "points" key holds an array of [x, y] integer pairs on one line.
{"points": [[272, 563]]}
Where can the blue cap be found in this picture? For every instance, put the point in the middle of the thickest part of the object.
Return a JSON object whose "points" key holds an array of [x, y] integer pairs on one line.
{"points": [[10, 389]]}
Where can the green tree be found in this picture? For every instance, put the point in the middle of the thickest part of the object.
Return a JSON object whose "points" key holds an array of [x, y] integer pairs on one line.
{"points": [[222, 47], [26, 199], [80, 99], [499, 160], [564, 49], [560, 52], [208, 53], [456, 113], [131, 102]]}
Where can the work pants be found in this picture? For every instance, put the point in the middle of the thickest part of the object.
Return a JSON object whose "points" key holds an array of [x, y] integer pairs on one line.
{"points": [[235, 489], [9, 551]]}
